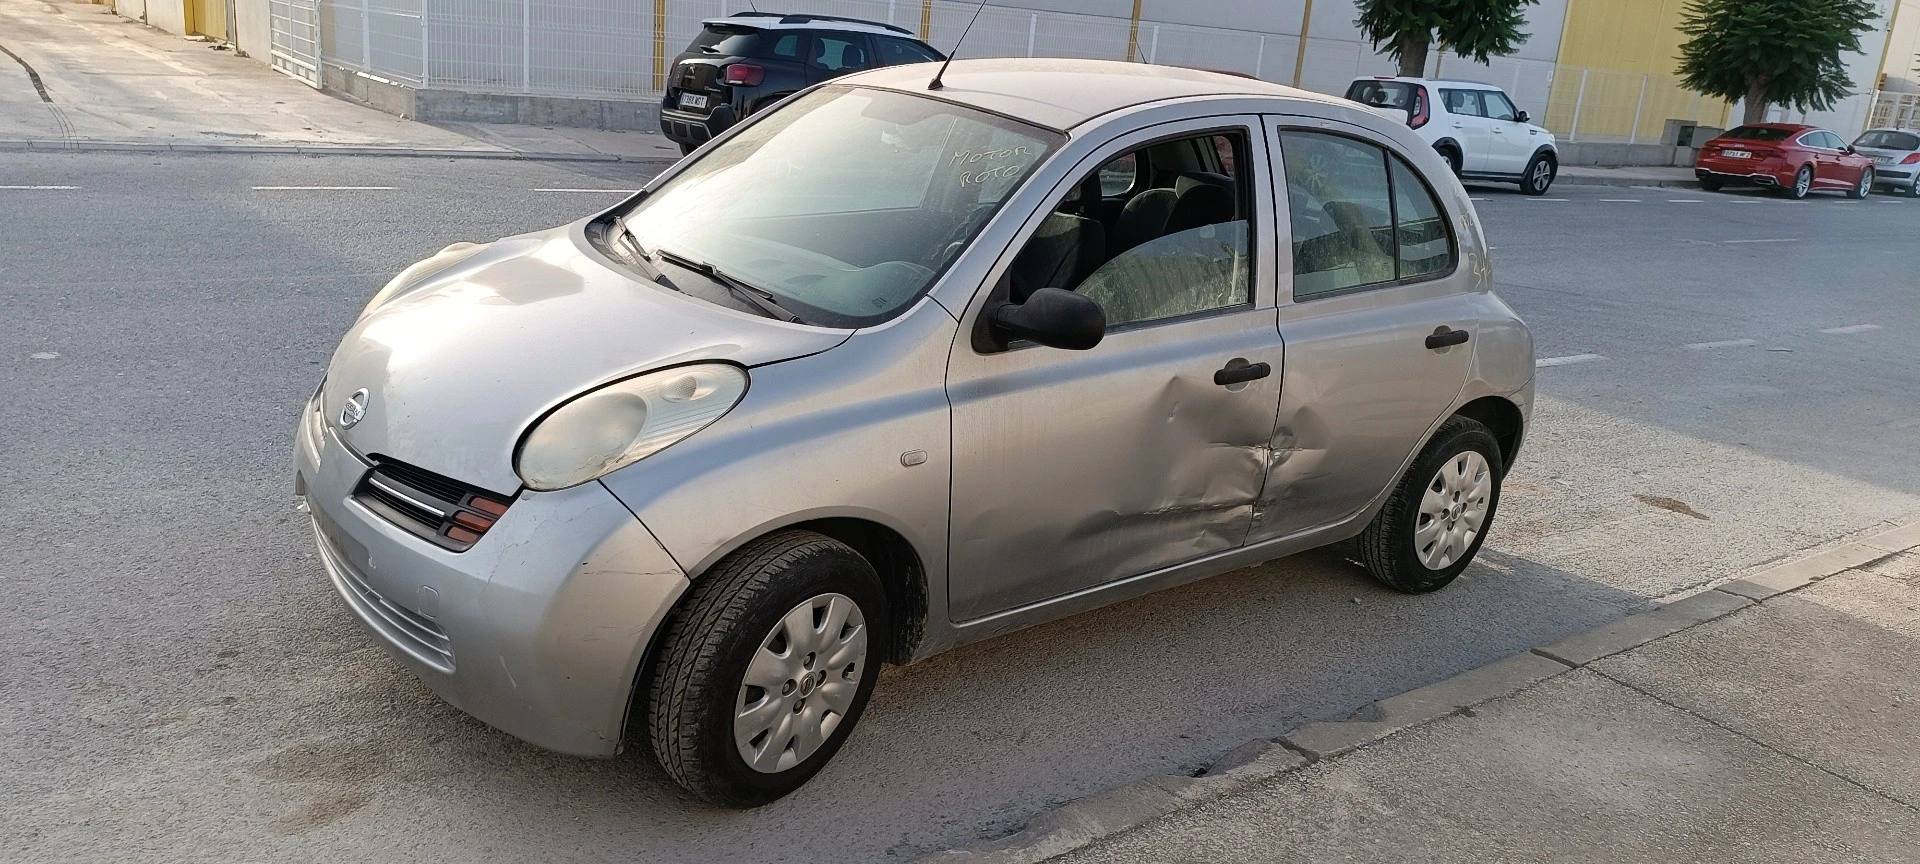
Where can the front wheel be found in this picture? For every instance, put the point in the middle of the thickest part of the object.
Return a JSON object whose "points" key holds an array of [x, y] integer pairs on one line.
{"points": [[1863, 188], [1538, 176], [1802, 183], [765, 668], [1438, 515]]}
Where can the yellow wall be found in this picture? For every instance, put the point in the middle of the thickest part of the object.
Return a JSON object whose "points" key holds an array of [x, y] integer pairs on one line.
{"points": [[208, 17], [1619, 45]]}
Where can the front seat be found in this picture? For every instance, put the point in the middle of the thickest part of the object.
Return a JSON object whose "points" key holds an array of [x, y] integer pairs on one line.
{"points": [[1066, 248], [1143, 218]]}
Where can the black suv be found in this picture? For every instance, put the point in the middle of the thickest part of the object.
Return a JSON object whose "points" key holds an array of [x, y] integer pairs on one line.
{"points": [[745, 62]]}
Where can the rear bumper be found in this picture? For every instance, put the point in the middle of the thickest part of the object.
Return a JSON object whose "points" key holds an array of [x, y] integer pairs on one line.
{"points": [[696, 129], [1735, 177], [538, 630]]}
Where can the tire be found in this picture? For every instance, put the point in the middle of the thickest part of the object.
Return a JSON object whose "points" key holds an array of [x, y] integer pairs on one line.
{"points": [[1538, 177], [1913, 189], [1454, 160], [687, 149], [1802, 183], [1390, 547], [736, 616], [1712, 184], [1863, 188]]}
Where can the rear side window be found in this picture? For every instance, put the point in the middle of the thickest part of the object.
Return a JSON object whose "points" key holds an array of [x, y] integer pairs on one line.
{"points": [[895, 52], [1462, 102], [839, 52], [1889, 140], [1360, 217]]}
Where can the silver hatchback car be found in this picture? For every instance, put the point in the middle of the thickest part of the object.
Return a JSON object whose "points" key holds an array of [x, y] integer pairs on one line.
{"points": [[890, 369]]}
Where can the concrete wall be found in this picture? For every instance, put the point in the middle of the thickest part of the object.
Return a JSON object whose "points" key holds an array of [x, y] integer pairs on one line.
{"points": [[253, 29], [135, 9], [168, 15], [1903, 51]]}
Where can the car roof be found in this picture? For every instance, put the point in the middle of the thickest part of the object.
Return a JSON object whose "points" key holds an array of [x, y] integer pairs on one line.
{"points": [[778, 21], [1790, 127], [1445, 82], [1061, 94]]}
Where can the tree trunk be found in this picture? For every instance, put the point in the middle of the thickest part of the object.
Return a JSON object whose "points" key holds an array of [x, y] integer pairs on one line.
{"points": [[1413, 55], [1756, 101]]}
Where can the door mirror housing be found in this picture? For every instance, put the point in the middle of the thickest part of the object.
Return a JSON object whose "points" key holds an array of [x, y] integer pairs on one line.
{"points": [[1522, 117], [1053, 317]]}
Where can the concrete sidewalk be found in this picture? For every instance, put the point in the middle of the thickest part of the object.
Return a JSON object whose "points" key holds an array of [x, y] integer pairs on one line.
{"points": [[108, 83], [1583, 175], [1773, 718]]}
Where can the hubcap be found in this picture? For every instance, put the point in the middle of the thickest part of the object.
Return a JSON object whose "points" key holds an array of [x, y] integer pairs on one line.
{"points": [[1541, 173], [800, 683], [1452, 510], [1866, 183], [1802, 181]]}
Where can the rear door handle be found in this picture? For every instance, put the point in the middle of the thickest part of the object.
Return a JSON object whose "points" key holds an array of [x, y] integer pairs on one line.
{"points": [[1446, 337], [1239, 371]]}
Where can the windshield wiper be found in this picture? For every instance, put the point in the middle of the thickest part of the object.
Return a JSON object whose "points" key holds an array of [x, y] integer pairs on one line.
{"points": [[758, 298]]}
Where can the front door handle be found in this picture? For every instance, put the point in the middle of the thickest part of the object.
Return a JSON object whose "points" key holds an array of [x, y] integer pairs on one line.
{"points": [[1446, 337], [1239, 371]]}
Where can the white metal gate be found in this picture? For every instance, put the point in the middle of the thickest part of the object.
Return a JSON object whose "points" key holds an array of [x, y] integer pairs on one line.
{"points": [[296, 38]]}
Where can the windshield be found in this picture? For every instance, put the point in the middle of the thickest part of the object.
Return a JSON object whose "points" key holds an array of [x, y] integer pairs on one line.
{"points": [[1759, 133], [1889, 140], [845, 205]]}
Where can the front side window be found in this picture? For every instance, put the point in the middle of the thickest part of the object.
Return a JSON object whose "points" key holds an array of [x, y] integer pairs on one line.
{"points": [[1361, 217], [1187, 251], [1498, 107], [896, 52], [845, 204]]}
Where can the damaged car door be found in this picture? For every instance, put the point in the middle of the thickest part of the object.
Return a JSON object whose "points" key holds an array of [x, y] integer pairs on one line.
{"points": [[1076, 468]]}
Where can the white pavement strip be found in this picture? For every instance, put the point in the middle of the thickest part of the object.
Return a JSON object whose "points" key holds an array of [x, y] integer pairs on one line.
{"points": [[322, 188], [1776, 240], [1686, 201], [1857, 328], [1730, 343], [39, 187], [605, 191], [1566, 361], [1620, 200]]}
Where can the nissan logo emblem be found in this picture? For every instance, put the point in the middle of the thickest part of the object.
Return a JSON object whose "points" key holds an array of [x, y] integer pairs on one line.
{"points": [[355, 409]]}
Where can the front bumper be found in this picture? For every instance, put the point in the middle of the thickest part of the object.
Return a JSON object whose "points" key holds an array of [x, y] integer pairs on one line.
{"points": [[538, 630], [1896, 176]]}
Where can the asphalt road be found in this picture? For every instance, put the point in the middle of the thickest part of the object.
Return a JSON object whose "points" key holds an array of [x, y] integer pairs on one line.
{"points": [[177, 682]]}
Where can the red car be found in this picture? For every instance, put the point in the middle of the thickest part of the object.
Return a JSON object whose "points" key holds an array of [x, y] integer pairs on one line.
{"points": [[1787, 156]]}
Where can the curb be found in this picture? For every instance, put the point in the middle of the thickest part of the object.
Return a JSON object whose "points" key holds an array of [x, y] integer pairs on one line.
{"points": [[317, 150], [1643, 182], [1081, 823]]}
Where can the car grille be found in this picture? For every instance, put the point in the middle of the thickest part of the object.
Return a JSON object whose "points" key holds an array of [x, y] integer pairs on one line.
{"points": [[441, 510], [404, 627]]}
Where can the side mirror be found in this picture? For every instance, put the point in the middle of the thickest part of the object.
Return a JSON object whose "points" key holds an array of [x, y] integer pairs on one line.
{"points": [[1522, 117], [1053, 317]]}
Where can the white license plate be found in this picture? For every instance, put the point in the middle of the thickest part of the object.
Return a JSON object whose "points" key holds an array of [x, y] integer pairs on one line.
{"points": [[1736, 154], [693, 100], [1883, 160]]}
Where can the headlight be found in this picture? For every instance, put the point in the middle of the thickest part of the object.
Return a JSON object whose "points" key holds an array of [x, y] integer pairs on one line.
{"points": [[420, 271], [626, 421]]}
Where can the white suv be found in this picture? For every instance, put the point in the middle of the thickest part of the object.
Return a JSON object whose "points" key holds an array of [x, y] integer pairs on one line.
{"points": [[1475, 126]]}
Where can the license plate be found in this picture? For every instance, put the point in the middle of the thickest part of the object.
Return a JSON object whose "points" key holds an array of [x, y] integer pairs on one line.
{"points": [[1736, 154], [1883, 160], [693, 100]]}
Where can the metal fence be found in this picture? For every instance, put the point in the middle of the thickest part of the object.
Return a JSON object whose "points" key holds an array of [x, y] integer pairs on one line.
{"points": [[618, 49], [1601, 105]]}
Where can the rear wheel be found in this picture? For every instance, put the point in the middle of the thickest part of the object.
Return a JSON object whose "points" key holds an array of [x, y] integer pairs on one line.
{"points": [[1454, 160], [1802, 183], [1438, 515], [1538, 176], [1712, 184], [1863, 188], [766, 667], [1913, 189], [687, 149]]}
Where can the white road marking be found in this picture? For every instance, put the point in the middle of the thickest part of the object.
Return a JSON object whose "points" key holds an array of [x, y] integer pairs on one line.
{"points": [[1686, 201], [39, 187], [1729, 343], [1566, 361], [321, 188], [1479, 199], [1775, 240], [1531, 198], [607, 191], [1857, 328], [1621, 200]]}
